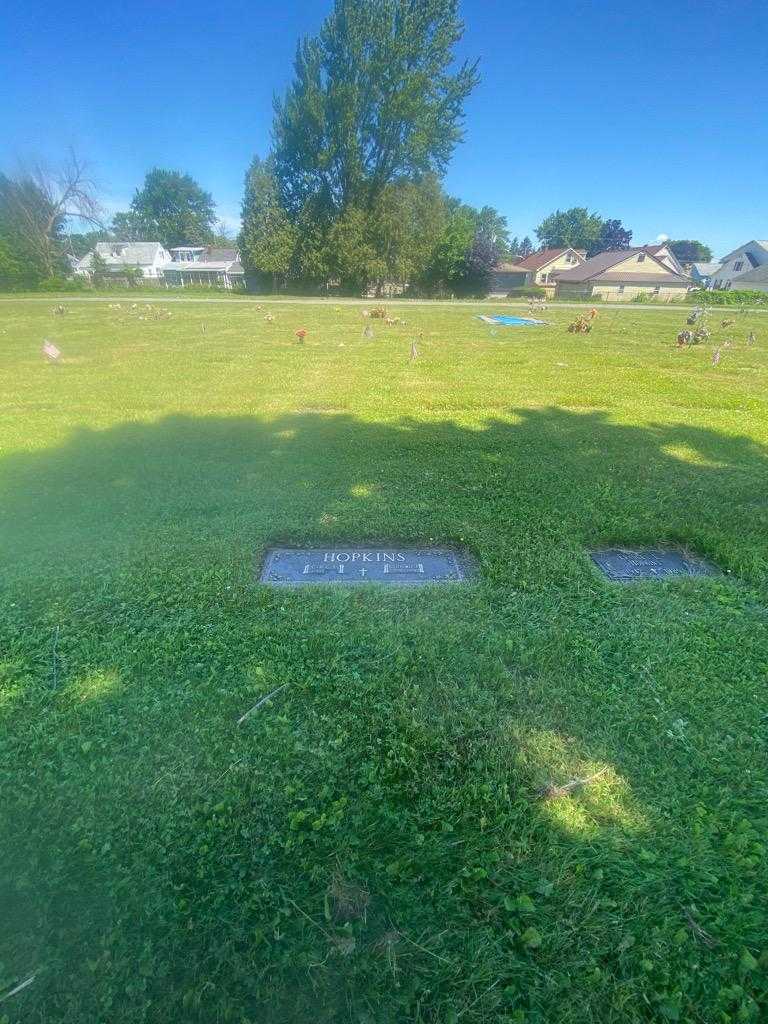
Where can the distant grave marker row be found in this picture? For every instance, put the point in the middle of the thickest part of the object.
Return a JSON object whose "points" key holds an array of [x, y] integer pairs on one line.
{"points": [[391, 566]]}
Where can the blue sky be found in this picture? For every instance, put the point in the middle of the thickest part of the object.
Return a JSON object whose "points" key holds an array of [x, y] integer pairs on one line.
{"points": [[653, 112]]}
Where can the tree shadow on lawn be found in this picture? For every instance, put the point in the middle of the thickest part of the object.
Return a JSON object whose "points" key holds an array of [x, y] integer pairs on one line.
{"points": [[168, 856], [550, 478]]}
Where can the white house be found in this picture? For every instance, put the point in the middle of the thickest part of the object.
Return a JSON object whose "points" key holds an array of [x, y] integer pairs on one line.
{"points": [[148, 257], [755, 280], [739, 263], [204, 264]]}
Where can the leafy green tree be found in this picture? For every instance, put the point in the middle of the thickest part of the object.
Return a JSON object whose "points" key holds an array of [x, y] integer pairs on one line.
{"points": [[447, 268], [407, 222], [128, 227], [80, 243], [171, 208], [310, 263], [223, 235], [268, 238], [492, 228], [689, 250], [526, 247], [374, 99], [31, 229], [474, 275], [613, 236], [37, 203], [98, 269], [353, 257], [576, 227], [513, 249], [11, 269]]}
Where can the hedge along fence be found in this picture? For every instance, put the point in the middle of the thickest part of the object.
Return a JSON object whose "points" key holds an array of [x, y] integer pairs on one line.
{"points": [[533, 291], [732, 297]]}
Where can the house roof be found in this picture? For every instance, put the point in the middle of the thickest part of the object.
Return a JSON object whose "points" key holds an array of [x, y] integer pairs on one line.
{"points": [[216, 253], [599, 265], [540, 259], [705, 269], [142, 254], [231, 266], [740, 251], [616, 277], [509, 268]]}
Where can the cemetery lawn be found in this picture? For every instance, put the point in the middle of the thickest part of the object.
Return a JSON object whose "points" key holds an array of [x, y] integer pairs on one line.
{"points": [[372, 844]]}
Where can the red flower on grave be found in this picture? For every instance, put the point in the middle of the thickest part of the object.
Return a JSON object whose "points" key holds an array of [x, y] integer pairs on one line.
{"points": [[301, 333]]}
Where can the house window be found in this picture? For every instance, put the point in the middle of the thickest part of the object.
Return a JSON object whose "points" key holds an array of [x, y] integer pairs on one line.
{"points": [[621, 289], [640, 257], [544, 278], [657, 290], [737, 266]]}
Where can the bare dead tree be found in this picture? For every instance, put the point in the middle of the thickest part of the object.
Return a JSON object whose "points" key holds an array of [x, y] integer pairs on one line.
{"points": [[42, 197]]}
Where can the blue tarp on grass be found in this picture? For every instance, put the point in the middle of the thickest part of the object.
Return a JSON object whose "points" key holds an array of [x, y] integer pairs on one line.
{"points": [[512, 321]]}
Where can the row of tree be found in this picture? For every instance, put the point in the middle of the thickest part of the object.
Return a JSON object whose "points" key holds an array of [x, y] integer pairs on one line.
{"points": [[351, 192]]}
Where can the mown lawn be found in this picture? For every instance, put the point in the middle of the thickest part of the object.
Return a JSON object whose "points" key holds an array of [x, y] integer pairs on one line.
{"points": [[371, 845]]}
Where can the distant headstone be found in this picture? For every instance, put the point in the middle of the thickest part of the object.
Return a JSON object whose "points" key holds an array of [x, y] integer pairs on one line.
{"points": [[342, 566], [625, 566]]}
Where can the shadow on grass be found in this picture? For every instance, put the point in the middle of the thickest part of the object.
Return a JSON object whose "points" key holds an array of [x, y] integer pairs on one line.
{"points": [[549, 476], [167, 864]]}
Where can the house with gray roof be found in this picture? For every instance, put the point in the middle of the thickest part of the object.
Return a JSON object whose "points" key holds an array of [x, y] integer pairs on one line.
{"points": [[701, 273], [148, 257], [740, 263], [623, 275]]}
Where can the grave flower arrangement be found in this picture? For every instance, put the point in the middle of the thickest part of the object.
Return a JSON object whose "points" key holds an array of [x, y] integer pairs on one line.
{"points": [[301, 335]]}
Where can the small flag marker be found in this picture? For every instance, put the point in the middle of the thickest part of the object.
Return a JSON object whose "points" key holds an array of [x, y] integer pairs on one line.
{"points": [[50, 351]]}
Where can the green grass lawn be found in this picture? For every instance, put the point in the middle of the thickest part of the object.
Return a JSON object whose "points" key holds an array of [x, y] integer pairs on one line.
{"points": [[371, 845]]}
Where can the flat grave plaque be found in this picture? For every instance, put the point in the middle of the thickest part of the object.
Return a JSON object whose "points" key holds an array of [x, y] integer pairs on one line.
{"points": [[625, 566], [346, 566]]}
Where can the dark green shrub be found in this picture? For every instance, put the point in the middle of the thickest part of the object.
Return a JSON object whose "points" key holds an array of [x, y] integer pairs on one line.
{"points": [[62, 284], [532, 291], [732, 297]]}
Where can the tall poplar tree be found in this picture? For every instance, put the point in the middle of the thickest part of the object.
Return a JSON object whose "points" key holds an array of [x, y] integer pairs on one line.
{"points": [[375, 98]]}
